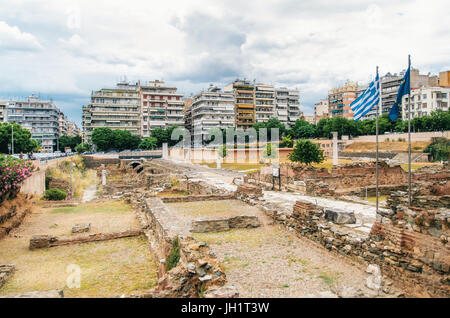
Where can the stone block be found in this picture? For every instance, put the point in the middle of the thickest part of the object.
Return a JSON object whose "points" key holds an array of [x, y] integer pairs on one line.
{"points": [[340, 216], [81, 228]]}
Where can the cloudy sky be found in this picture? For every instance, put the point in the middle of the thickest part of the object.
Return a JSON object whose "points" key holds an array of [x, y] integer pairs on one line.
{"points": [[64, 49]]}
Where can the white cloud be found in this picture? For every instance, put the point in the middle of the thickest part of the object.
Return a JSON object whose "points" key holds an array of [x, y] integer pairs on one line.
{"points": [[312, 45], [12, 39]]}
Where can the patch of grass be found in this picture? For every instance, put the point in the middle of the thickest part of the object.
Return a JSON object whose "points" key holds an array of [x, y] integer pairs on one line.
{"points": [[329, 278], [292, 259], [285, 286], [103, 207], [418, 165], [108, 269], [234, 166], [174, 255], [381, 198], [328, 163]]}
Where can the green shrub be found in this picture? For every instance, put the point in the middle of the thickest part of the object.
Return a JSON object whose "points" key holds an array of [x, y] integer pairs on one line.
{"points": [[174, 255], [55, 194], [47, 182]]}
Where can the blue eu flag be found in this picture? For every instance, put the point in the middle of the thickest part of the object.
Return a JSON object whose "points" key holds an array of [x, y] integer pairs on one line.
{"points": [[403, 90]]}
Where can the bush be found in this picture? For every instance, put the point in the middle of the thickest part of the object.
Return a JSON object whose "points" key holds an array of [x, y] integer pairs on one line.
{"points": [[174, 255], [439, 149], [306, 152], [13, 172], [55, 194]]}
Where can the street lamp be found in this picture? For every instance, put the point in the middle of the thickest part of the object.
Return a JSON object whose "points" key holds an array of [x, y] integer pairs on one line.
{"points": [[71, 184], [12, 138]]}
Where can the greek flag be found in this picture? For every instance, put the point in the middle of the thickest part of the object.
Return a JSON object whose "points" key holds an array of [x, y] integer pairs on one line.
{"points": [[367, 100]]}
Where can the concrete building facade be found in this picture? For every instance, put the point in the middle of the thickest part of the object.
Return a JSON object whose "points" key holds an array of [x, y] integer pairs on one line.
{"points": [[321, 110], [213, 108], [160, 107], [444, 78], [264, 102], [3, 115], [340, 98], [38, 116], [115, 108], [425, 100]]}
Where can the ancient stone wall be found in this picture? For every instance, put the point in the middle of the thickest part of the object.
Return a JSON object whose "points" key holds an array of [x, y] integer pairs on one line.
{"points": [[416, 256], [59, 184], [46, 241], [6, 271], [197, 272], [95, 162], [225, 224], [342, 180], [12, 213]]}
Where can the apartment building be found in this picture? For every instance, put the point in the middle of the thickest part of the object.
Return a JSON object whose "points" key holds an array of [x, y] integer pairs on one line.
{"points": [[244, 99], [444, 78], [213, 108], [390, 84], [115, 108], [425, 100], [265, 98], [72, 129], [340, 98], [287, 108], [321, 110], [160, 106], [38, 116], [2, 111], [63, 125]]}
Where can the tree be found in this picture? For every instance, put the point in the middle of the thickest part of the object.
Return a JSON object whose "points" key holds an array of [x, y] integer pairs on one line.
{"points": [[287, 142], [161, 135], [102, 138], [67, 141], [299, 128], [276, 124], [169, 132], [440, 120], [22, 138], [439, 149], [258, 127], [306, 152], [123, 139], [222, 151], [270, 152], [148, 143], [82, 147]]}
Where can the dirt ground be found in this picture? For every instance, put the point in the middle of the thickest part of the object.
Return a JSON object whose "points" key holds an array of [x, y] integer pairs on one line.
{"points": [[108, 268], [270, 261], [212, 209]]}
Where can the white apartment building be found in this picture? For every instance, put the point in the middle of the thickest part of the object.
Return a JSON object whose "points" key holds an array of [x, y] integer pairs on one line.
{"points": [[115, 108], [40, 117], [320, 110], [264, 102], [3, 115], [425, 100], [211, 109], [287, 108]]}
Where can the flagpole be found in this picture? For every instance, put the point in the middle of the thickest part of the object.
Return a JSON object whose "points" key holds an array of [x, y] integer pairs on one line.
{"points": [[409, 134], [376, 129]]}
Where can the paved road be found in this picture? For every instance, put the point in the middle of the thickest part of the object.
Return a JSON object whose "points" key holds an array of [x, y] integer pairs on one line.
{"points": [[364, 213]]}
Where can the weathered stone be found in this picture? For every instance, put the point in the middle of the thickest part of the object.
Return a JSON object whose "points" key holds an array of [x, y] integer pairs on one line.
{"points": [[37, 294], [340, 217], [6, 271], [81, 228]]}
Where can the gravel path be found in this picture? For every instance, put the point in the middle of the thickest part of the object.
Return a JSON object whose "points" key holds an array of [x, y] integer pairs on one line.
{"points": [[89, 194]]}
